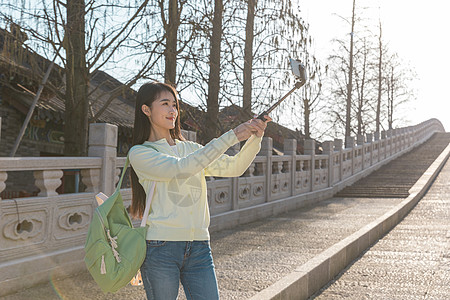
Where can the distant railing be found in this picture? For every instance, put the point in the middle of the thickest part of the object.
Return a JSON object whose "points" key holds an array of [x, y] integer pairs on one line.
{"points": [[44, 235]]}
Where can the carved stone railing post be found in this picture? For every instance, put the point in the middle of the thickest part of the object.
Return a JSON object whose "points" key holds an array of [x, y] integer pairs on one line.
{"points": [[310, 149], [328, 149], [103, 143], [389, 140], [376, 138], [350, 144], [376, 135], [290, 148], [360, 139], [48, 181], [266, 150], [360, 142], [369, 139]]}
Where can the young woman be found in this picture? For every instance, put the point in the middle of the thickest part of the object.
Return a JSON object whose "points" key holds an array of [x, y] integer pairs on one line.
{"points": [[177, 237]]}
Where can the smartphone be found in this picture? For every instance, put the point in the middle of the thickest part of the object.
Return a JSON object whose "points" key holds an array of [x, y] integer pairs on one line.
{"points": [[298, 69]]}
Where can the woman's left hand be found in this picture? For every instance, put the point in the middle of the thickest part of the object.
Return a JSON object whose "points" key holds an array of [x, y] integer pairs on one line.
{"points": [[259, 125]]}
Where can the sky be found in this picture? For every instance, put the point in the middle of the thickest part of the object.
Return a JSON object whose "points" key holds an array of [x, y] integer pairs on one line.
{"points": [[417, 30]]}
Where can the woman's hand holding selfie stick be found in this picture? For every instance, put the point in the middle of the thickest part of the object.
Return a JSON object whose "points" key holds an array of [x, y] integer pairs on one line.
{"points": [[253, 126]]}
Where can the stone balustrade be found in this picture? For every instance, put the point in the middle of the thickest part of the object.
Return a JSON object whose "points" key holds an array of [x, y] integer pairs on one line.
{"points": [[44, 236]]}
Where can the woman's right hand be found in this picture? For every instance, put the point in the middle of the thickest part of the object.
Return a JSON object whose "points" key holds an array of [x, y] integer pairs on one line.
{"points": [[254, 126]]}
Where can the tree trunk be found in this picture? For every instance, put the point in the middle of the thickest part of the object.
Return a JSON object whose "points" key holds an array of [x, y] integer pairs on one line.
{"points": [[248, 59], [214, 73], [361, 101], [391, 89], [380, 61], [76, 102], [170, 52], [350, 78]]}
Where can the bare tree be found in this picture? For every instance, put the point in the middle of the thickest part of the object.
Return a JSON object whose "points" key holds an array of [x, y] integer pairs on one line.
{"points": [[380, 78], [399, 92], [214, 72], [350, 77], [248, 57], [276, 31], [77, 81], [171, 29], [312, 90], [278, 35], [363, 98], [91, 40]]}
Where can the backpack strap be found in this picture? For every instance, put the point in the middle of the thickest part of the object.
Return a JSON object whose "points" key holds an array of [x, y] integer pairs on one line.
{"points": [[127, 163], [148, 202], [150, 194], [147, 205]]}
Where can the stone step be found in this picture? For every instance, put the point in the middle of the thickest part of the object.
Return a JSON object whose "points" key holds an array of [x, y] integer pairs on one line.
{"points": [[394, 179]]}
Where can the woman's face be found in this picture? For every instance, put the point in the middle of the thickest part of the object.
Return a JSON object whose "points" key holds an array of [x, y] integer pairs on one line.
{"points": [[163, 112]]}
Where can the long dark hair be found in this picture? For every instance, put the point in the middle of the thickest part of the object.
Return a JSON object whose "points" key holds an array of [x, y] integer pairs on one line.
{"points": [[148, 93]]}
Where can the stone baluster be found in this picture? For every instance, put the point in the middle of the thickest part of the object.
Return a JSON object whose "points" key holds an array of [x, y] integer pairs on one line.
{"points": [[91, 179], [3, 177], [277, 166], [117, 175], [103, 143], [48, 181], [251, 169], [290, 148]]}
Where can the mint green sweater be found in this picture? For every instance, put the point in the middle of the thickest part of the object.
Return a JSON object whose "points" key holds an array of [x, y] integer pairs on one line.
{"points": [[179, 209]]}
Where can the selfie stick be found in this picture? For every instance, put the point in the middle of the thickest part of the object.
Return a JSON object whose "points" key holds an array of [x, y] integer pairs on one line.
{"points": [[299, 71]]}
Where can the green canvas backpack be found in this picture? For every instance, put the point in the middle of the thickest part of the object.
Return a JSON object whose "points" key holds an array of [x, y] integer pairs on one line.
{"points": [[114, 249]]}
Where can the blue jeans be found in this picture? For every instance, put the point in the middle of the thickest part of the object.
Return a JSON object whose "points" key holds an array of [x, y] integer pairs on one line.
{"points": [[167, 263]]}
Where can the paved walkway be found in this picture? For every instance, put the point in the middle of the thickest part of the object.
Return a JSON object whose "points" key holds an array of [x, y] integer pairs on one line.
{"points": [[254, 256], [412, 261], [251, 257]]}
